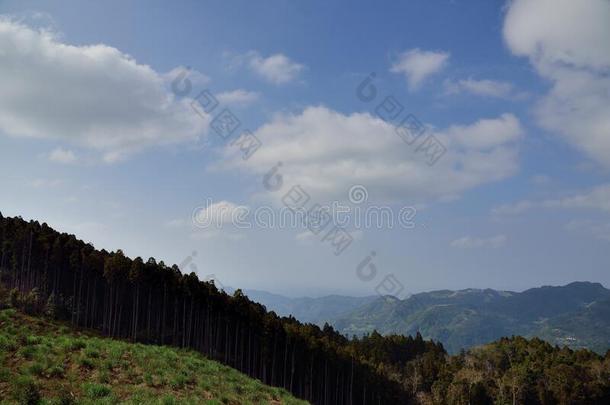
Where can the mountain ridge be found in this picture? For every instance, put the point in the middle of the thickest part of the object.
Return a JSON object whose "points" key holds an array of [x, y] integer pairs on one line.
{"points": [[576, 315]]}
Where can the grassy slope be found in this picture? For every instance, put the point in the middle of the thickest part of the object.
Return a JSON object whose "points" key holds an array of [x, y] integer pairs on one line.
{"points": [[67, 366]]}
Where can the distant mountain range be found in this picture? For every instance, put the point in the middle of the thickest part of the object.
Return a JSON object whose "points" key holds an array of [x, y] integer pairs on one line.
{"points": [[576, 315], [312, 310]]}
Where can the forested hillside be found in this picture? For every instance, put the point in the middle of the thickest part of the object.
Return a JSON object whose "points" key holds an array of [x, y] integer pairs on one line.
{"points": [[57, 276], [47, 362], [575, 315], [54, 273]]}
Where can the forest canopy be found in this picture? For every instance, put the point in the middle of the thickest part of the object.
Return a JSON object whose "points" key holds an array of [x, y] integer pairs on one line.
{"points": [[56, 275]]}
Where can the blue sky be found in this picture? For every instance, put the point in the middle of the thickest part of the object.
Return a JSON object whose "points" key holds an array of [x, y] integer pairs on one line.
{"points": [[94, 142]]}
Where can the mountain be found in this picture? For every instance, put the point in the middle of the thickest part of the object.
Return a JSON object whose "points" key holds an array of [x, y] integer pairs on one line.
{"points": [[576, 315], [312, 310], [586, 328], [170, 338]]}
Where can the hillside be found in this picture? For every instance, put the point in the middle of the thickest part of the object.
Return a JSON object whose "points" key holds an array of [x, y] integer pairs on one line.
{"points": [[307, 309], [53, 362], [54, 274], [46, 359], [58, 277], [576, 315]]}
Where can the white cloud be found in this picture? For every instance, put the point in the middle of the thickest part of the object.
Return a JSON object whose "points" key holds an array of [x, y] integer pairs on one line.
{"points": [[485, 88], [305, 237], [195, 77], [218, 234], [64, 156], [563, 31], [487, 133], [308, 237], [237, 97], [277, 68], [541, 179], [567, 43], [176, 223], [597, 198], [46, 183], [71, 199], [594, 228], [417, 65], [516, 208], [218, 214], [469, 242], [93, 96], [327, 152]]}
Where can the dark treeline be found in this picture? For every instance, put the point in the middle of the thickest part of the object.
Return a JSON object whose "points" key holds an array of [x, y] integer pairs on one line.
{"points": [[148, 301], [43, 271]]}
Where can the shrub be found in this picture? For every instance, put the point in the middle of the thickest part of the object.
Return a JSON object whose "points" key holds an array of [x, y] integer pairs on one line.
{"points": [[26, 391], [7, 314], [77, 344], [56, 371], [51, 307], [86, 362], [28, 352], [31, 302], [5, 374], [35, 369], [94, 390], [179, 381], [104, 377], [31, 340], [168, 400], [148, 379], [14, 299], [65, 398], [7, 344], [92, 353]]}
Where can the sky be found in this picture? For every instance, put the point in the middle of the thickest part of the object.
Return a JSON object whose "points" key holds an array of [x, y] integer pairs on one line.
{"points": [[474, 136]]}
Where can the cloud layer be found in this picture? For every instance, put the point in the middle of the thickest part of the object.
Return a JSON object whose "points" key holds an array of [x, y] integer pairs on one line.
{"points": [[237, 97], [94, 96], [276, 69], [567, 43], [64, 156], [469, 242], [327, 152], [418, 65], [218, 214], [484, 88], [597, 198]]}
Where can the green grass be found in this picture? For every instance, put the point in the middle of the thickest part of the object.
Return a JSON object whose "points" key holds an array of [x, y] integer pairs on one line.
{"points": [[44, 362]]}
